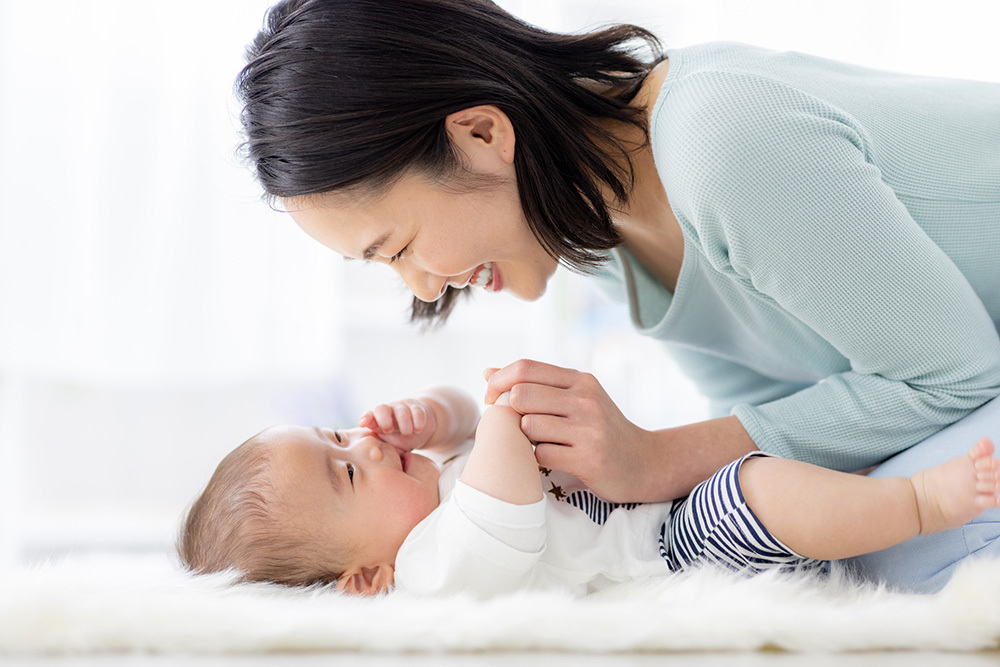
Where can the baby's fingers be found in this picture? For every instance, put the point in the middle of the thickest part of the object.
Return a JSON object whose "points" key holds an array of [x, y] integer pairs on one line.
{"points": [[403, 418], [419, 414], [384, 418]]}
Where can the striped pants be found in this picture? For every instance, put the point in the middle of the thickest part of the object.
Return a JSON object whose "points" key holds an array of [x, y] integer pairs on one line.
{"points": [[713, 525]]}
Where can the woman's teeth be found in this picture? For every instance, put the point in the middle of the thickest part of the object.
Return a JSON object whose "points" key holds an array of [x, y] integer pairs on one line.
{"points": [[483, 276]]}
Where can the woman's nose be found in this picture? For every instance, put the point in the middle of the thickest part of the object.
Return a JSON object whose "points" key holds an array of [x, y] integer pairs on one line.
{"points": [[424, 285]]}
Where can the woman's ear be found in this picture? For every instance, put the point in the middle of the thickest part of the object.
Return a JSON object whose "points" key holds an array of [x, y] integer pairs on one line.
{"points": [[484, 134], [366, 580]]}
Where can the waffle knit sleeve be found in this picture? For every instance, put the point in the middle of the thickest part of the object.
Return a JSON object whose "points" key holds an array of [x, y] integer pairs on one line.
{"points": [[728, 382], [777, 190]]}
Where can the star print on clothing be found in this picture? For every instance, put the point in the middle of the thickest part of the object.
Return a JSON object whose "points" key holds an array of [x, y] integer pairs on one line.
{"points": [[558, 492], [565, 488]]}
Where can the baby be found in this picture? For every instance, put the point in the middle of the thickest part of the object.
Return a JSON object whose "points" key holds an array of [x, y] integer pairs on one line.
{"points": [[407, 500]]}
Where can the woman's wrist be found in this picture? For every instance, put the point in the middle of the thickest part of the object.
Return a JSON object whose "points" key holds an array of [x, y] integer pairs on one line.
{"points": [[675, 460], [660, 467]]}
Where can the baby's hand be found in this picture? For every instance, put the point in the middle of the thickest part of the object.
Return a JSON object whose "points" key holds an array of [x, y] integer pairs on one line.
{"points": [[407, 424], [503, 399]]}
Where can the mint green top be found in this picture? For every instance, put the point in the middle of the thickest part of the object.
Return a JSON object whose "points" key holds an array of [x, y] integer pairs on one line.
{"points": [[840, 289]]}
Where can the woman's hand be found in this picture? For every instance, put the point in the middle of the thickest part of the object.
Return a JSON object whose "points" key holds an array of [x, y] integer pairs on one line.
{"points": [[578, 429], [406, 424]]}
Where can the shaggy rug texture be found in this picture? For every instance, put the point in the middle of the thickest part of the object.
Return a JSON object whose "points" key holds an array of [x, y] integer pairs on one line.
{"points": [[131, 603]]}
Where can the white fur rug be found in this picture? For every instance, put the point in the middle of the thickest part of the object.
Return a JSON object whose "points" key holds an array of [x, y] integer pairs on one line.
{"points": [[130, 603]]}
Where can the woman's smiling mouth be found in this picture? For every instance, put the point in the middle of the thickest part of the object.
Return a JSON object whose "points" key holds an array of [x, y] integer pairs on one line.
{"points": [[487, 276], [482, 276]]}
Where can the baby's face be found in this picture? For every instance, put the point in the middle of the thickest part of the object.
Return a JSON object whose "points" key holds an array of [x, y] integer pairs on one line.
{"points": [[350, 488]]}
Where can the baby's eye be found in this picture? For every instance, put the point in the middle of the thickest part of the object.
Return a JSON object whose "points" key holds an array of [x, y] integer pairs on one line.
{"points": [[350, 473]]}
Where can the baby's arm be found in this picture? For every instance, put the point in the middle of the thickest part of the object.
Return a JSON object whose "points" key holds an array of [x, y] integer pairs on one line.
{"points": [[436, 418], [488, 537], [826, 515], [502, 463]]}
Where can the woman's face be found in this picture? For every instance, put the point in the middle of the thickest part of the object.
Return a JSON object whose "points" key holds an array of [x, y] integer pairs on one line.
{"points": [[434, 237]]}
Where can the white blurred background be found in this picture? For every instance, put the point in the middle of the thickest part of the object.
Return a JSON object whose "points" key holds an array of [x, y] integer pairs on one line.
{"points": [[154, 313]]}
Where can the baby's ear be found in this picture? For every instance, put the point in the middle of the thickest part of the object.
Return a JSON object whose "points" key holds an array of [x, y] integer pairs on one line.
{"points": [[366, 580]]}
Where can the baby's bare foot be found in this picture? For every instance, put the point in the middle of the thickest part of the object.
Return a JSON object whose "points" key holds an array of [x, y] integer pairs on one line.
{"points": [[958, 490]]}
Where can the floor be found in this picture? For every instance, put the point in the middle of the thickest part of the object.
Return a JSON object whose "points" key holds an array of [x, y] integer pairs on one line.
{"points": [[895, 659]]}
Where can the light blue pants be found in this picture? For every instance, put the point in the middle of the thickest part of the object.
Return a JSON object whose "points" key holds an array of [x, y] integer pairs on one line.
{"points": [[925, 563]]}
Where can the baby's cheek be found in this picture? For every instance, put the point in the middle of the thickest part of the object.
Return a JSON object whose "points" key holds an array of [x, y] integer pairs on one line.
{"points": [[431, 503], [418, 501]]}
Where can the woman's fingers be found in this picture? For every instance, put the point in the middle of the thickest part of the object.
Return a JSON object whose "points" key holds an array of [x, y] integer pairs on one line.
{"points": [[528, 398], [527, 371], [576, 426], [550, 428], [556, 457]]}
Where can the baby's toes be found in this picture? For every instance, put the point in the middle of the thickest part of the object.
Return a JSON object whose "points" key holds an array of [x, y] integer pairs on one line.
{"points": [[986, 466], [981, 449], [987, 485]]}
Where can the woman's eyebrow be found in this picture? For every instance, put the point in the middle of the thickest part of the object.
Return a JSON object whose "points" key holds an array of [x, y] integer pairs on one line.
{"points": [[370, 251]]}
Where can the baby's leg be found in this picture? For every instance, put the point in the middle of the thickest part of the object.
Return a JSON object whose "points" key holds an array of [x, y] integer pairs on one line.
{"points": [[825, 514]]}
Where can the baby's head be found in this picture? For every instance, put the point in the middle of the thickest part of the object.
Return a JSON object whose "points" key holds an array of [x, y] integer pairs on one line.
{"points": [[298, 505]]}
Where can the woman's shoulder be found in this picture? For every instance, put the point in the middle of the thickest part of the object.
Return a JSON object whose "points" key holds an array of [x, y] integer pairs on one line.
{"points": [[721, 84], [733, 112], [724, 81], [716, 60], [724, 103]]}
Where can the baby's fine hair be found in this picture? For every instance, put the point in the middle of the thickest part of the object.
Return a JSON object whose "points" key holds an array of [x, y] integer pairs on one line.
{"points": [[236, 524], [349, 95]]}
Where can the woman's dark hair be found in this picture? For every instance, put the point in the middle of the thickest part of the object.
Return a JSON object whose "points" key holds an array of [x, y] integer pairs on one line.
{"points": [[352, 94]]}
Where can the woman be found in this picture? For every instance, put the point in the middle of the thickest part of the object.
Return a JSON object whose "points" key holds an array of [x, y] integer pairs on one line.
{"points": [[814, 242]]}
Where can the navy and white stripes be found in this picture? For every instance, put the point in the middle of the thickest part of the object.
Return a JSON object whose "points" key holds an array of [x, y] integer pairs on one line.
{"points": [[715, 525], [596, 508]]}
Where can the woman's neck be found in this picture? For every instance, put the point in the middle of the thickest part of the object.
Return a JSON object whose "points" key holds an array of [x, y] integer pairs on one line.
{"points": [[650, 230]]}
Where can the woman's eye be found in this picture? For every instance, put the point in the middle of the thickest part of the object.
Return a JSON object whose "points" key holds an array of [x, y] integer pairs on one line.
{"points": [[337, 436], [398, 255], [350, 473]]}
